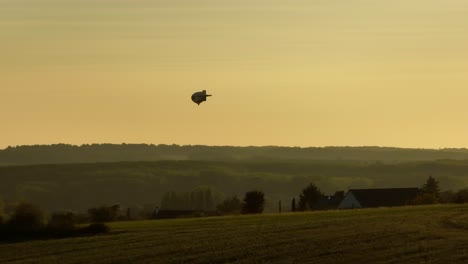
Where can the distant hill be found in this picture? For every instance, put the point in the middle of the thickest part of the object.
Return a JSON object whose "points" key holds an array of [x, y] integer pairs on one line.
{"points": [[81, 186], [63, 153]]}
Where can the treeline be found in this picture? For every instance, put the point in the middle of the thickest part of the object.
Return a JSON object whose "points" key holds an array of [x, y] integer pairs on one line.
{"points": [[28, 221], [200, 199], [141, 185], [63, 153]]}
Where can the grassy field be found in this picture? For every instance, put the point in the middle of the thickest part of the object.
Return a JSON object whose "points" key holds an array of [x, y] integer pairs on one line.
{"points": [[423, 234]]}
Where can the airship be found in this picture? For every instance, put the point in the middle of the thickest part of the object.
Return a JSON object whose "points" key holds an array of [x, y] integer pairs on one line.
{"points": [[200, 97]]}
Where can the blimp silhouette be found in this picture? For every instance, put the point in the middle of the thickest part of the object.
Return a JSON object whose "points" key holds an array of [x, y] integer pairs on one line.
{"points": [[200, 97]]}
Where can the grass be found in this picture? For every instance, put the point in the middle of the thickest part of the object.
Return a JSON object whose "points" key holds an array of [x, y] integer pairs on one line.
{"points": [[420, 234]]}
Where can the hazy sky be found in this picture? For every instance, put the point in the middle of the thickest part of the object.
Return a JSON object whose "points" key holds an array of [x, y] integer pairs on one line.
{"points": [[293, 73]]}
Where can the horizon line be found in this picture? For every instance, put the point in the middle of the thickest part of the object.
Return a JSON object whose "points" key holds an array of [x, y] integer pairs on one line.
{"points": [[233, 146]]}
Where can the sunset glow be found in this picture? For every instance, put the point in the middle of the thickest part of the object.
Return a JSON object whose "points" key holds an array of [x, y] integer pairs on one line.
{"points": [[291, 73]]}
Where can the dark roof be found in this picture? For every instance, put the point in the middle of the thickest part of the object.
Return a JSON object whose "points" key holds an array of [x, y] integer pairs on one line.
{"points": [[384, 197], [329, 202]]}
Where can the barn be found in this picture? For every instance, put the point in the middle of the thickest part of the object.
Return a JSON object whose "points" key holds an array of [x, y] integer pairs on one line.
{"points": [[368, 198]]}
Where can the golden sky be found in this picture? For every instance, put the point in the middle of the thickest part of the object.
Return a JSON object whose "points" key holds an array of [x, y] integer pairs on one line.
{"points": [[291, 73]]}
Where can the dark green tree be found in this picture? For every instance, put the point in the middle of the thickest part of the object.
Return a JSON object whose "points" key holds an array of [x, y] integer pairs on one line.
{"points": [[431, 187], [254, 201], [309, 197], [429, 192]]}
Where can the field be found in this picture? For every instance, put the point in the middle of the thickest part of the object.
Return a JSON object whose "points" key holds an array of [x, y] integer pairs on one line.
{"points": [[422, 234]]}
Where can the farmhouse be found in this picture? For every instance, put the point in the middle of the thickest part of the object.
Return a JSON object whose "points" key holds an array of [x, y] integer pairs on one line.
{"points": [[365, 198], [327, 202]]}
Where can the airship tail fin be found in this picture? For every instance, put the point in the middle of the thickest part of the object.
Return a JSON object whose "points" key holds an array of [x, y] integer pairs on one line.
{"points": [[204, 91]]}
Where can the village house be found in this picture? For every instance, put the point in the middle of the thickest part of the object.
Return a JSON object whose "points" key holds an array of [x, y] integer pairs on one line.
{"points": [[327, 202], [367, 198]]}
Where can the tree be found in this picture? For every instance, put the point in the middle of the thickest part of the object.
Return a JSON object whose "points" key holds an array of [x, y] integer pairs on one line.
{"points": [[230, 205], [26, 217], [309, 197], [431, 187], [293, 205], [429, 192], [254, 202]]}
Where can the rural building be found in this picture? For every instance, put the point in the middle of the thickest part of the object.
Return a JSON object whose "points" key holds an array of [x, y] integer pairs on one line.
{"points": [[327, 202], [365, 198]]}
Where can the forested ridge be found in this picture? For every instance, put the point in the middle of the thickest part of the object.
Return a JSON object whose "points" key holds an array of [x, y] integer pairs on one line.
{"points": [[63, 153], [81, 186]]}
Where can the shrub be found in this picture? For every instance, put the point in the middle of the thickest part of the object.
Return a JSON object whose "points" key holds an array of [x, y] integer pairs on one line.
{"points": [[461, 196], [425, 198], [104, 213], [96, 228], [26, 223], [61, 223], [447, 197]]}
